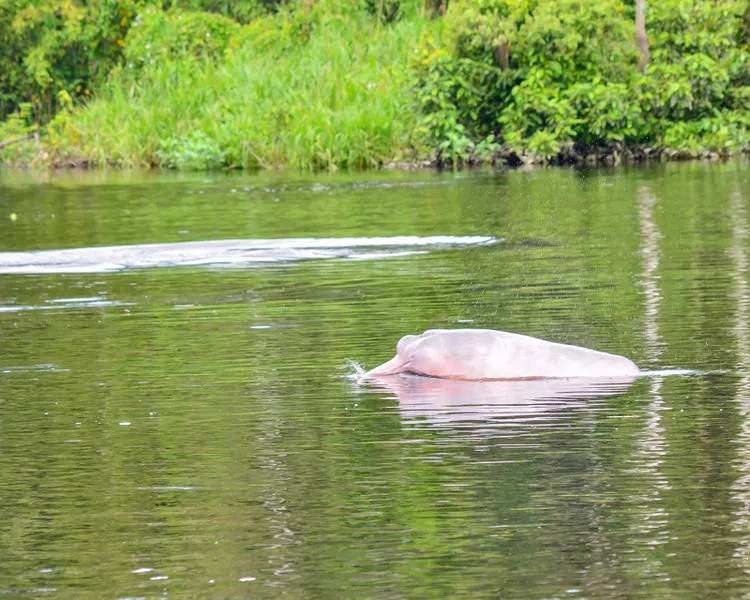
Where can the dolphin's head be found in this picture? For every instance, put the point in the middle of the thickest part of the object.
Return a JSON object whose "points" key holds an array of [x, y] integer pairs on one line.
{"points": [[405, 353], [420, 354]]}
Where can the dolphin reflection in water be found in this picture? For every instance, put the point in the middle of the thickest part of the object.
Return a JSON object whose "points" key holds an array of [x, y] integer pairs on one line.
{"points": [[442, 401], [485, 354]]}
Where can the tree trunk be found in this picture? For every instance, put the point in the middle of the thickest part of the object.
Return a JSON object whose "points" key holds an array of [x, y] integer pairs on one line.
{"points": [[502, 54], [640, 35]]}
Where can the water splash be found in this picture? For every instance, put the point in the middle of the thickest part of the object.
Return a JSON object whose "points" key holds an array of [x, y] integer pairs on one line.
{"points": [[359, 371]]}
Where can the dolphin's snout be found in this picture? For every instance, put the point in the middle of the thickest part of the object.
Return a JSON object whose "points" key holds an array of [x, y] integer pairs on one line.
{"points": [[392, 367]]}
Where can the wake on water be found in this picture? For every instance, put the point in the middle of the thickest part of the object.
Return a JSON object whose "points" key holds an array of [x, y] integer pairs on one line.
{"points": [[226, 253]]}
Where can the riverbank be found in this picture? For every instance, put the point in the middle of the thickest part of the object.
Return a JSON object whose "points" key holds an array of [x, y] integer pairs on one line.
{"points": [[33, 156], [600, 157]]}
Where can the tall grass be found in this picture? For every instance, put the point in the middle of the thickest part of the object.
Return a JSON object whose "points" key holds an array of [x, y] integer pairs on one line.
{"points": [[339, 99]]}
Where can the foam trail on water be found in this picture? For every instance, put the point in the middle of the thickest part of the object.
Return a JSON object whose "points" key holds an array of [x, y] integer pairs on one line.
{"points": [[228, 253]]}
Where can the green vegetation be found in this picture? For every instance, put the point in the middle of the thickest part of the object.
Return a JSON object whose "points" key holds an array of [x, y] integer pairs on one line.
{"points": [[49, 49], [541, 75], [282, 96], [341, 83]]}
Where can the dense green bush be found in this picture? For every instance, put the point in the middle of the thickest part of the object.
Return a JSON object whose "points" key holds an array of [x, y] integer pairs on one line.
{"points": [[158, 35], [389, 11], [278, 33], [241, 11], [71, 46], [521, 72], [51, 47], [539, 74]]}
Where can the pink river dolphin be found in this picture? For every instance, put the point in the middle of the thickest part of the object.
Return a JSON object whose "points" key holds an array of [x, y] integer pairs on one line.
{"points": [[486, 355]]}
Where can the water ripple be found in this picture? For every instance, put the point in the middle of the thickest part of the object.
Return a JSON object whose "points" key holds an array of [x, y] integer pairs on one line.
{"points": [[62, 303]]}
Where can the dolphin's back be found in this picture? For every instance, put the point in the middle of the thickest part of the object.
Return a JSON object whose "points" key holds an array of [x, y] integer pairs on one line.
{"points": [[488, 354]]}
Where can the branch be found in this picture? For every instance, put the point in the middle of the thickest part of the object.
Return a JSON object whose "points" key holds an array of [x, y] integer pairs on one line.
{"points": [[20, 139]]}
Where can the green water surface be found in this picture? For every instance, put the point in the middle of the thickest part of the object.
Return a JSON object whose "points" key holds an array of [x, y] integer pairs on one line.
{"points": [[198, 432]]}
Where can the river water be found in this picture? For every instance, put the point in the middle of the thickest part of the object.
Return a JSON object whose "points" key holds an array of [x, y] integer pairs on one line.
{"points": [[180, 414]]}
